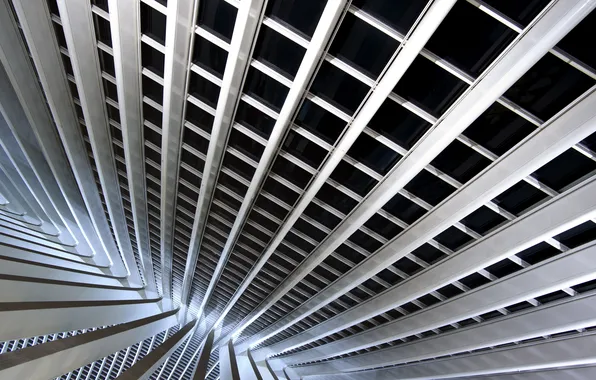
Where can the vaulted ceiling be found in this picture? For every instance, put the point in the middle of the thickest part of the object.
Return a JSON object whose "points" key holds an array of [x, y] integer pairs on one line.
{"points": [[346, 189]]}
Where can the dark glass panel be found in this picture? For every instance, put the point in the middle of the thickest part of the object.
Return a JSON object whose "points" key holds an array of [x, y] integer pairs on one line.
{"points": [[429, 86], [319, 121], [195, 140], [578, 45], [254, 119], [102, 30], [453, 238], [520, 11], [280, 191], [204, 90], [373, 154], [499, 129], [152, 59], [199, 117], [300, 15], [240, 166], [336, 199], [398, 124], [265, 89], [428, 253], [245, 145], [548, 87], [111, 91], [339, 88], [209, 56], [565, 169], [353, 178], [403, 208], [460, 162], [429, 187], [537, 253], [106, 62], [218, 16], [152, 90], [401, 15], [578, 235], [152, 136], [363, 46], [152, 115], [519, 197], [503, 268], [321, 215], [471, 52], [383, 227], [291, 172], [482, 220], [278, 52], [304, 149], [153, 23]]}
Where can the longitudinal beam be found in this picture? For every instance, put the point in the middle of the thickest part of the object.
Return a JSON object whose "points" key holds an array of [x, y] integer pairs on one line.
{"points": [[146, 366], [316, 48], [569, 269], [179, 29], [23, 319], [125, 26], [562, 212], [406, 54], [38, 30], [31, 289], [562, 352], [61, 356], [78, 28], [200, 370], [27, 168], [536, 40], [245, 28], [35, 216]]}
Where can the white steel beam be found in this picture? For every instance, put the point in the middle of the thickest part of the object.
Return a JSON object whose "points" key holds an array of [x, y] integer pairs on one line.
{"points": [[21, 319], [199, 371], [559, 214], [567, 128], [35, 219], [144, 368], [551, 353], [77, 24], [58, 357], [316, 48], [228, 367], [125, 27], [568, 269], [27, 168], [406, 54], [37, 28], [243, 41], [30, 289], [181, 16], [575, 373], [54, 269]]}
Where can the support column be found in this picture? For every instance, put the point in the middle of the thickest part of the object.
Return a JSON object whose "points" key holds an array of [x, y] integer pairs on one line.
{"points": [[228, 367], [200, 370]]}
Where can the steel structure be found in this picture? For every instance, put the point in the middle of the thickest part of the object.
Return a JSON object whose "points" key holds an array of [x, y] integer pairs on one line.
{"points": [[287, 189]]}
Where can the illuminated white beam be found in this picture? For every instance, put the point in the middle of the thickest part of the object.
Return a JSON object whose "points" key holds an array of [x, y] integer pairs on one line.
{"points": [[61, 356], [245, 28], [523, 52], [77, 24]]}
